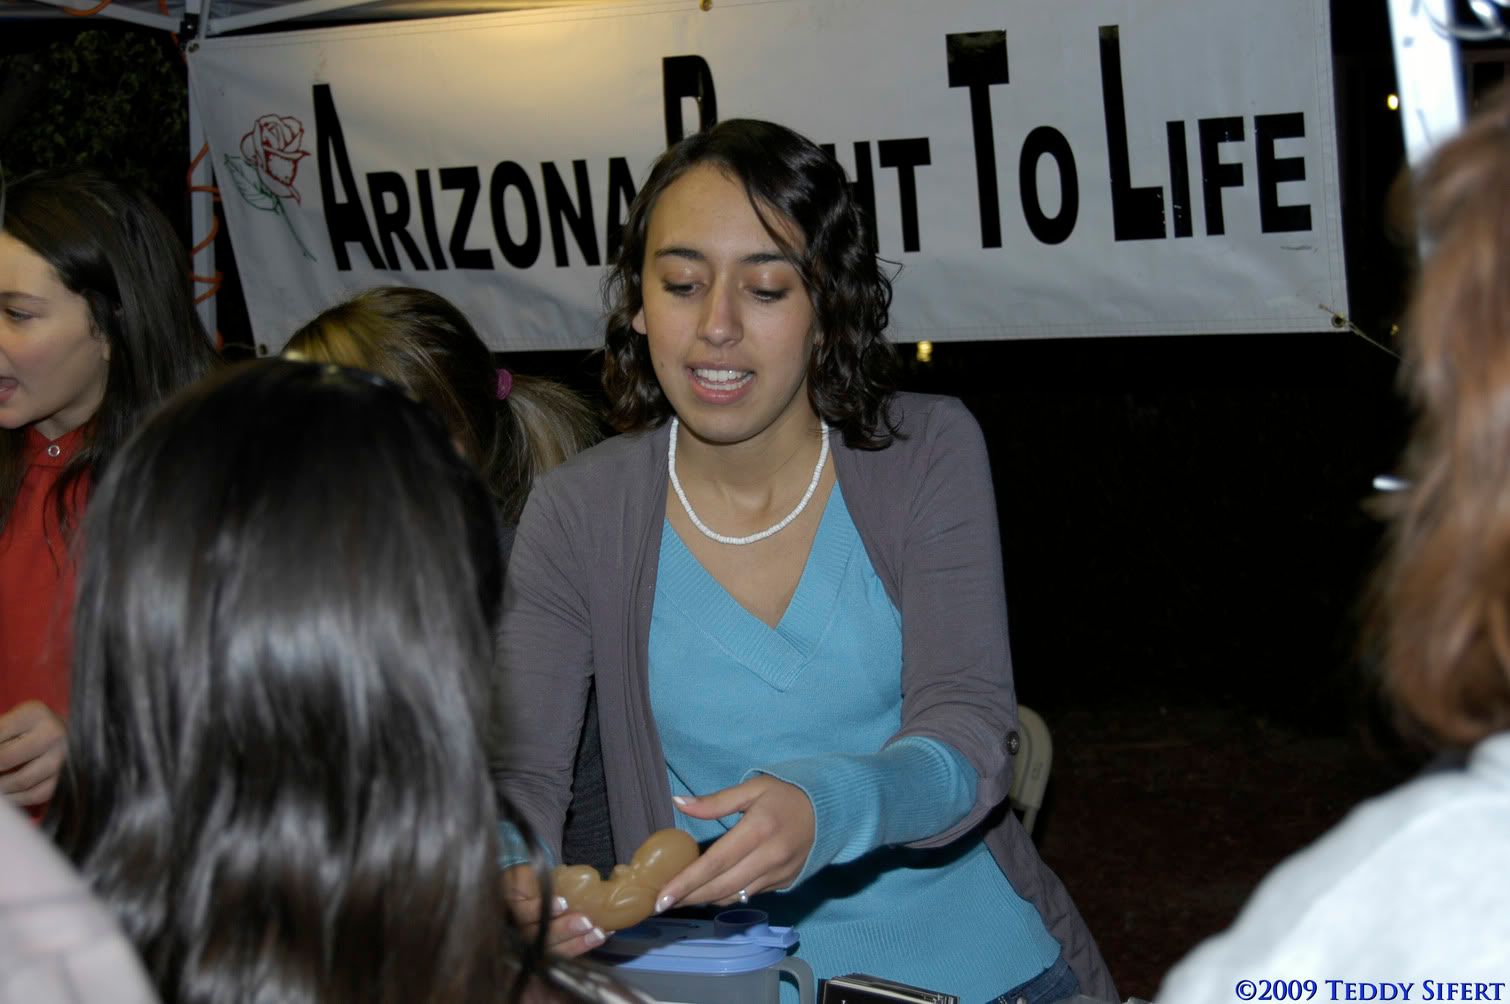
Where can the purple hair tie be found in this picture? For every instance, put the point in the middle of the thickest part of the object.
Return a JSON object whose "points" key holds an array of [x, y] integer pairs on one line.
{"points": [[505, 383]]}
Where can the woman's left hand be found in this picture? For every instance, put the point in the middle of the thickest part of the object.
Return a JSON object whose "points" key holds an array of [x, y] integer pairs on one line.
{"points": [[764, 850]]}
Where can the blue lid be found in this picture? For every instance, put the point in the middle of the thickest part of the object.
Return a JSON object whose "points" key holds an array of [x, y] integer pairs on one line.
{"points": [[736, 941]]}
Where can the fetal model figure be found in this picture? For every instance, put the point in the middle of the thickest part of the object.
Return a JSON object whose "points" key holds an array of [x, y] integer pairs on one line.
{"points": [[628, 895]]}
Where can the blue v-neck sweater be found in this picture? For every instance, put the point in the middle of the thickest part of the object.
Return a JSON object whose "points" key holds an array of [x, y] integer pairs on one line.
{"points": [[811, 702]]}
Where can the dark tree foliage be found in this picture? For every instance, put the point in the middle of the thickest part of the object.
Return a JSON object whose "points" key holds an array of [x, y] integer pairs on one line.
{"points": [[99, 95]]}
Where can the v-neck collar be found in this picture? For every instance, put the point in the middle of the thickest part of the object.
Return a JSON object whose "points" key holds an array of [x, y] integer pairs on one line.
{"points": [[776, 654]]}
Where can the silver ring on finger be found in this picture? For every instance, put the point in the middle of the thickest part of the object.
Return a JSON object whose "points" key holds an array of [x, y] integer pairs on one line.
{"points": [[744, 895]]}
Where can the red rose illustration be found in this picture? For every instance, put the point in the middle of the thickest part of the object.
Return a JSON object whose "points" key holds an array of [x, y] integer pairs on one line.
{"points": [[272, 147], [269, 162]]}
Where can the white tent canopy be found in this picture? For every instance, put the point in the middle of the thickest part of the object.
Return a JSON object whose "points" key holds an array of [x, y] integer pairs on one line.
{"points": [[219, 17]]}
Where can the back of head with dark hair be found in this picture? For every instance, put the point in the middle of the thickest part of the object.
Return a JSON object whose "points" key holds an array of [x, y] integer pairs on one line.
{"points": [[284, 637], [1443, 601], [112, 247], [851, 374], [424, 343]]}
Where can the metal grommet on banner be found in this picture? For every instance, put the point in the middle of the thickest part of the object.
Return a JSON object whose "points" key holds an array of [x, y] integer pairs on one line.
{"points": [[54, 450], [706, 4]]}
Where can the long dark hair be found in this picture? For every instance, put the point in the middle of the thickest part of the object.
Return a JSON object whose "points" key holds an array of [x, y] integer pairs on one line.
{"points": [[112, 247], [851, 374], [283, 642], [424, 343]]}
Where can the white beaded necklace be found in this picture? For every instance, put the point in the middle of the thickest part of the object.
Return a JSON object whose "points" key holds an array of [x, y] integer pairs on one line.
{"points": [[807, 496]]}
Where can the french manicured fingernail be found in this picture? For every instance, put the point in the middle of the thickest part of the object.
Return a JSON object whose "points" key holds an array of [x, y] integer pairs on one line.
{"points": [[558, 907], [581, 925], [681, 800], [595, 937], [664, 903]]}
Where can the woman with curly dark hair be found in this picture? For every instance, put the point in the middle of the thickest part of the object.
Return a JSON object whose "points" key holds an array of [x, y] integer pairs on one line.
{"points": [[785, 580]]}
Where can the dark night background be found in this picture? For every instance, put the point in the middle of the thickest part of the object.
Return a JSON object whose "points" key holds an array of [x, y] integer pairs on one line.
{"points": [[1185, 520]]}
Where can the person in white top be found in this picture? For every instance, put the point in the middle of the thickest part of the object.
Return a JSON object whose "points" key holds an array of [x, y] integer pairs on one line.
{"points": [[1405, 900], [57, 944]]}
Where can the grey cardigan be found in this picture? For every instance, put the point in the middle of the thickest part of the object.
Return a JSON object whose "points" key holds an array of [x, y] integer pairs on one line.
{"points": [[577, 606]]}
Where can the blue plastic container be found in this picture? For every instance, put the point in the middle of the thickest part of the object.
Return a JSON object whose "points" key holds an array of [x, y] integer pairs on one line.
{"points": [[735, 958]]}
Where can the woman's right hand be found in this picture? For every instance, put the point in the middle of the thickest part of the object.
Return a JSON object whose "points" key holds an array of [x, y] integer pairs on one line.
{"points": [[32, 747], [568, 934]]}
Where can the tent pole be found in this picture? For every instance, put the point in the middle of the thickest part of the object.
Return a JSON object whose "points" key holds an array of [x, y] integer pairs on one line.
{"points": [[1429, 73], [201, 199]]}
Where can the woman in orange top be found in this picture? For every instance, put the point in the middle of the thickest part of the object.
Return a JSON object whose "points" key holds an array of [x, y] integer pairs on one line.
{"points": [[97, 326]]}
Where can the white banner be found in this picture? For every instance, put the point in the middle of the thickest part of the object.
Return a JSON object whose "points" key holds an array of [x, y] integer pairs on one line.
{"points": [[1037, 169]]}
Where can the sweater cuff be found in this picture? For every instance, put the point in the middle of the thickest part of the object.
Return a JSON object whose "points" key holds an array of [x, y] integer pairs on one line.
{"points": [[908, 791], [512, 850]]}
